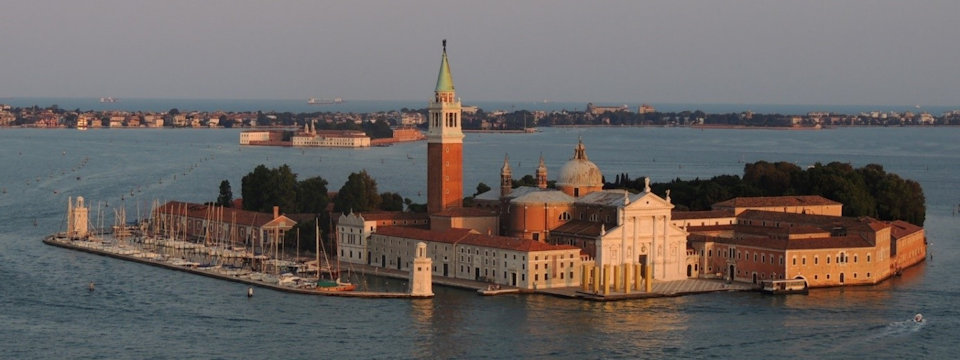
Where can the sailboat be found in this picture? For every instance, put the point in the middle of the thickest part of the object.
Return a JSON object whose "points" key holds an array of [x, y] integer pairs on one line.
{"points": [[333, 284]]}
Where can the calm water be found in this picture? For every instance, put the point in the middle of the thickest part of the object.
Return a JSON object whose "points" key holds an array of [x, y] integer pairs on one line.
{"points": [[140, 311]]}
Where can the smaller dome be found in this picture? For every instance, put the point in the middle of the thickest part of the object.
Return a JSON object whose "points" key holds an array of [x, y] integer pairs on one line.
{"points": [[580, 171]]}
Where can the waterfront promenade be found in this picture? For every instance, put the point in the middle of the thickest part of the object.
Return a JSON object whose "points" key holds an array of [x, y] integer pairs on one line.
{"points": [[660, 289]]}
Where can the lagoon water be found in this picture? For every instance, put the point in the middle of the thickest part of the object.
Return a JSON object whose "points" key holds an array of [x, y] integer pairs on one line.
{"points": [[139, 311]]}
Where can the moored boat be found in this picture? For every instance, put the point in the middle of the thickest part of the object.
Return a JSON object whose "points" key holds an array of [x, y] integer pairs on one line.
{"points": [[793, 286]]}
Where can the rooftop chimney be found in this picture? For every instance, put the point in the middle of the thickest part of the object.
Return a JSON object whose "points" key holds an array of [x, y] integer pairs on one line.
{"points": [[276, 212]]}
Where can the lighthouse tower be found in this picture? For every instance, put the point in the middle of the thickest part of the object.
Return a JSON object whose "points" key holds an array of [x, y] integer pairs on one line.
{"points": [[444, 144], [421, 280]]}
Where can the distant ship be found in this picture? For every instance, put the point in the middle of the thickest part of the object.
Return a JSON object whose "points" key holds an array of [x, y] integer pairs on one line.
{"points": [[318, 101], [109, 99]]}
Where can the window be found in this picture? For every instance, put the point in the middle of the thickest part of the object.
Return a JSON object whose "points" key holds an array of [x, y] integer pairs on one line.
{"points": [[816, 260], [794, 261], [868, 275], [854, 261], [803, 261], [828, 261], [868, 260], [536, 277]]}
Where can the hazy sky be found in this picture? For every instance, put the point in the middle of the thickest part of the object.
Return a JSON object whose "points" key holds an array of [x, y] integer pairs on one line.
{"points": [[776, 52]]}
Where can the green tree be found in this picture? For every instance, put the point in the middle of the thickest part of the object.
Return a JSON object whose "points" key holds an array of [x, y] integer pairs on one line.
{"points": [[358, 194], [378, 129], [481, 188], [391, 202], [263, 188], [312, 195], [225, 198]]}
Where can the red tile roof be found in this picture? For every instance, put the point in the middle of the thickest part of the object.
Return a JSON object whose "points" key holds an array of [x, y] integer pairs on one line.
{"points": [[825, 222], [465, 212], [709, 214], [469, 237], [579, 228], [775, 201], [392, 215], [900, 228], [228, 215]]}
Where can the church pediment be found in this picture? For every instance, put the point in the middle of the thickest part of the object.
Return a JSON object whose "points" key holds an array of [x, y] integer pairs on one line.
{"points": [[647, 201]]}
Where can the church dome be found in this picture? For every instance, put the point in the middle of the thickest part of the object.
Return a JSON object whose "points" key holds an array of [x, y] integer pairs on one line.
{"points": [[580, 172]]}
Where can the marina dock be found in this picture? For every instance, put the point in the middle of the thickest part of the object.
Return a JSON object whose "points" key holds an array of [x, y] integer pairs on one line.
{"points": [[67, 243]]}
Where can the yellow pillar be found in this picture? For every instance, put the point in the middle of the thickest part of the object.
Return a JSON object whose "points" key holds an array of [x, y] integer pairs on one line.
{"points": [[648, 279], [626, 278], [606, 279], [637, 277], [596, 278], [585, 277], [616, 277]]}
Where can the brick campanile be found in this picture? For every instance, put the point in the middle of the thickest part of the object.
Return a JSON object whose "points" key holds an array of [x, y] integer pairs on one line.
{"points": [[444, 144]]}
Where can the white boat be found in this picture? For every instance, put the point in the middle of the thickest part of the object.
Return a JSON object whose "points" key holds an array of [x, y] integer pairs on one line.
{"points": [[319, 101], [109, 99], [794, 286]]}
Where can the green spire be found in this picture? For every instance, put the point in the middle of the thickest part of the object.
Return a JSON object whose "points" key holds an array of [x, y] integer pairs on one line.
{"points": [[444, 80]]}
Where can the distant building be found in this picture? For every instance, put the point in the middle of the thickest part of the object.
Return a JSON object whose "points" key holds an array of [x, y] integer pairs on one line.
{"points": [[260, 137], [311, 137], [599, 110], [645, 109]]}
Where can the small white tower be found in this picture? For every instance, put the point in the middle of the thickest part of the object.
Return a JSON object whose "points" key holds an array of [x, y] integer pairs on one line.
{"points": [[77, 218], [421, 281]]}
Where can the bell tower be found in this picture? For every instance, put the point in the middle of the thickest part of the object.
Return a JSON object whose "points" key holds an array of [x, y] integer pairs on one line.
{"points": [[444, 144], [506, 177], [541, 174]]}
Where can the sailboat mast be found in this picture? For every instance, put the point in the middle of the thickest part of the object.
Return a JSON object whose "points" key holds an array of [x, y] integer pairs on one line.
{"points": [[316, 233]]}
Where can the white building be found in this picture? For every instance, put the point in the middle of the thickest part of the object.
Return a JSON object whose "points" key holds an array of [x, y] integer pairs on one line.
{"points": [[332, 138], [353, 231], [251, 136], [466, 254]]}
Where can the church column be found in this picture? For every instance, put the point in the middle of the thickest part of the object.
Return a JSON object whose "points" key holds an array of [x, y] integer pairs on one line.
{"points": [[666, 246], [654, 254]]}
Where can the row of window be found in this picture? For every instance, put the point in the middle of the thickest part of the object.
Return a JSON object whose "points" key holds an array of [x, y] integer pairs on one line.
{"points": [[817, 277], [840, 259]]}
